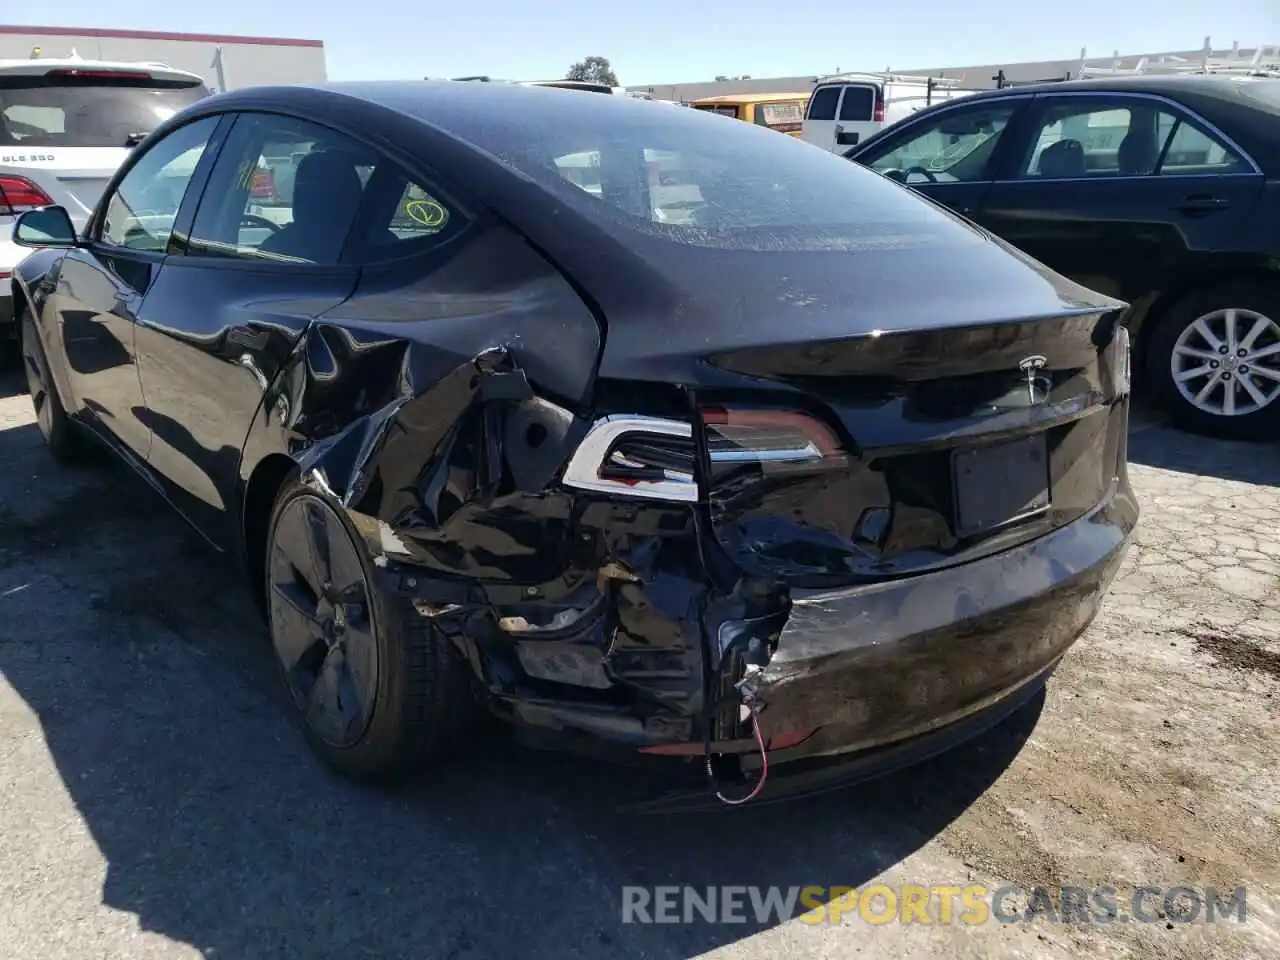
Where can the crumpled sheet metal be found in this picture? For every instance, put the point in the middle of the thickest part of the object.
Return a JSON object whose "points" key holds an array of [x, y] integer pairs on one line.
{"points": [[454, 486]]}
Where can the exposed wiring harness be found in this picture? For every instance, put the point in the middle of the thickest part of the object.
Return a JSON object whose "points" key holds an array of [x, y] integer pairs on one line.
{"points": [[746, 686]]}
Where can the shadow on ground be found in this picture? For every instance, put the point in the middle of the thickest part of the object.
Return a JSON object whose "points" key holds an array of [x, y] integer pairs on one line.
{"points": [[150, 675], [12, 381], [1171, 449]]}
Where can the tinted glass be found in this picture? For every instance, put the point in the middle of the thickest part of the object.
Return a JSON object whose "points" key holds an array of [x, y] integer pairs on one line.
{"points": [[35, 112], [141, 211], [290, 191], [822, 105], [1189, 150], [858, 103], [956, 146], [695, 179], [400, 217], [1088, 139]]}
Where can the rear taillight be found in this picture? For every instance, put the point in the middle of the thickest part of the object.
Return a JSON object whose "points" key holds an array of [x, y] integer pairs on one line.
{"points": [[18, 194], [77, 73], [772, 439], [654, 458], [878, 115], [264, 185]]}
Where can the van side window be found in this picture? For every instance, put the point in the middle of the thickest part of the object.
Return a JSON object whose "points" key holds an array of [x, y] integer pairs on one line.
{"points": [[822, 105]]}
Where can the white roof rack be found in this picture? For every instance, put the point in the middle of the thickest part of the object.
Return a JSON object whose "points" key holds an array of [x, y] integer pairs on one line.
{"points": [[889, 77], [1265, 62]]}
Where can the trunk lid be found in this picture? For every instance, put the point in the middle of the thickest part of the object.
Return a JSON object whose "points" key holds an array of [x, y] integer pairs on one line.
{"points": [[968, 398]]}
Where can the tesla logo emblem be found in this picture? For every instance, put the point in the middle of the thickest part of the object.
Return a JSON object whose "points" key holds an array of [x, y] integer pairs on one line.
{"points": [[1037, 386]]}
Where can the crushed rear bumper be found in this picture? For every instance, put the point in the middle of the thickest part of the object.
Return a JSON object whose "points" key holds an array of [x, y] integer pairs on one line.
{"points": [[883, 675], [817, 775]]}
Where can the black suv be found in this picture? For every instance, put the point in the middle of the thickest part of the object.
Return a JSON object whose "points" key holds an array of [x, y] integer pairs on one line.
{"points": [[1163, 191]]}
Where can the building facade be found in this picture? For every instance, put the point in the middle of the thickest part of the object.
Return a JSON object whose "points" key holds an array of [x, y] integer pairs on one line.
{"points": [[225, 62], [981, 77]]}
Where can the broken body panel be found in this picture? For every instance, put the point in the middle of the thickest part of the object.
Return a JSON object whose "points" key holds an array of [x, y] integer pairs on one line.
{"points": [[627, 620], [620, 487]]}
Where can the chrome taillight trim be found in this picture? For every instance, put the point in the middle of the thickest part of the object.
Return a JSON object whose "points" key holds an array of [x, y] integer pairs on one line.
{"points": [[583, 470]]}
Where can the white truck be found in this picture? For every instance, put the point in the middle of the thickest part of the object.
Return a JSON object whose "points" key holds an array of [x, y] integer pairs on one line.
{"points": [[846, 109], [66, 125]]}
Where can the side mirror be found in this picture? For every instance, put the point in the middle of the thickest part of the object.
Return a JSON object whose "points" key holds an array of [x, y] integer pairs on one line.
{"points": [[45, 227]]}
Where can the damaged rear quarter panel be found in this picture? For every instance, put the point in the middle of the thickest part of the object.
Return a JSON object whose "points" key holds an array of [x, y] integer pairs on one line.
{"points": [[438, 405]]}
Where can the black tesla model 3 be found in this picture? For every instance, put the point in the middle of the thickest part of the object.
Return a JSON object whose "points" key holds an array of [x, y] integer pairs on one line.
{"points": [[637, 429]]}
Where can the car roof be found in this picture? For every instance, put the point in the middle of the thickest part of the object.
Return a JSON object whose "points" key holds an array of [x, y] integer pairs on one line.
{"points": [[455, 107]]}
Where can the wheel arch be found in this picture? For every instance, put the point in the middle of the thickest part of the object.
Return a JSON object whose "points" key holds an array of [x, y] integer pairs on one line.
{"points": [[18, 297], [269, 476], [1148, 316]]}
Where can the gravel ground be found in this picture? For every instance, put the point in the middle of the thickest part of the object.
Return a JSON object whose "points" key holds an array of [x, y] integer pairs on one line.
{"points": [[155, 802]]}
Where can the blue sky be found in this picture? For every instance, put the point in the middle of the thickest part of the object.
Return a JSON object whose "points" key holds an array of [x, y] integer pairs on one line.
{"points": [[663, 41]]}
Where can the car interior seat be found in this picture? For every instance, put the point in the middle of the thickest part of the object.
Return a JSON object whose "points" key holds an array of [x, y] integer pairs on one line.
{"points": [[1137, 154], [1063, 159], [327, 192]]}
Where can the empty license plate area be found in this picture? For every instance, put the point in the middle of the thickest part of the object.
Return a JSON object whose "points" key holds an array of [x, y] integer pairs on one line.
{"points": [[999, 483]]}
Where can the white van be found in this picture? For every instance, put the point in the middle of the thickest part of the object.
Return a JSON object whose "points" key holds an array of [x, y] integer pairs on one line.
{"points": [[66, 125], [845, 110]]}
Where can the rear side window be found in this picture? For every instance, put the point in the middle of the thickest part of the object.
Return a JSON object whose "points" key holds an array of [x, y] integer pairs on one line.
{"points": [[289, 191], [61, 109], [859, 103], [822, 105]]}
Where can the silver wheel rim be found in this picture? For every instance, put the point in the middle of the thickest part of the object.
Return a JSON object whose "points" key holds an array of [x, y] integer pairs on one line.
{"points": [[1227, 363]]}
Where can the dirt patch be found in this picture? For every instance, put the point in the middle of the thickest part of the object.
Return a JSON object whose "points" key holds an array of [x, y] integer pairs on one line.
{"points": [[1235, 653]]}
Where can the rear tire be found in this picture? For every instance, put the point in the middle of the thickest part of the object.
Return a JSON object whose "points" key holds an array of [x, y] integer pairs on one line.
{"points": [[1213, 359], [65, 440], [379, 690]]}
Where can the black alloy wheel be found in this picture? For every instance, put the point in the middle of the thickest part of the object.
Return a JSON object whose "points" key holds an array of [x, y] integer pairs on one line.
{"points": [[322, 622], [378, 688], [62, 436]]}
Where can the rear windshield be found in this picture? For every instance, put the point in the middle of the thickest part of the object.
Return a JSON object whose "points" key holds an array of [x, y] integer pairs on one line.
{"points": [[1266, 92], [693, 179], [37, 113]]}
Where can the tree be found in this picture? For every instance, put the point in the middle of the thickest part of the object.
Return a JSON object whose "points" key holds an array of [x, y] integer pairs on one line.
{"points": [[593, 70]]}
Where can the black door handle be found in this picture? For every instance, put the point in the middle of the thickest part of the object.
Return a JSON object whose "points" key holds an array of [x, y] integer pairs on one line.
{"points": [[1203, 204]]}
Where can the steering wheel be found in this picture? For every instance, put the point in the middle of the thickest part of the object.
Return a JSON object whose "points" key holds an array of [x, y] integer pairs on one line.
{"points": [[906, 175], [253, 220]]}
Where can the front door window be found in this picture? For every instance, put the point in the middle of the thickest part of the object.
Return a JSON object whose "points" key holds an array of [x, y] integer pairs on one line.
{"points": [[956, 146], [141, 212]]}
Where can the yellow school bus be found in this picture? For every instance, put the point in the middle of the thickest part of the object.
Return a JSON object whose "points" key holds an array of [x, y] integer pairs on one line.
{"points": [[783, 112]]}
